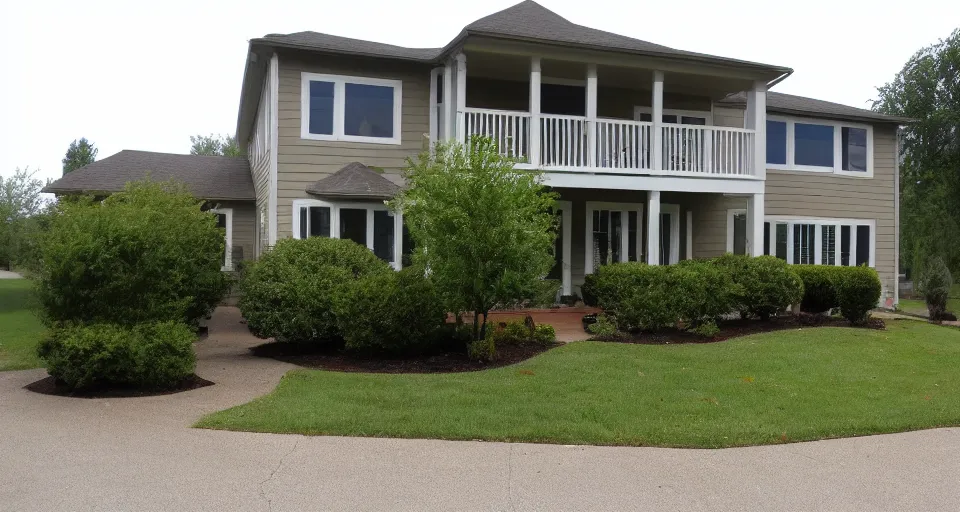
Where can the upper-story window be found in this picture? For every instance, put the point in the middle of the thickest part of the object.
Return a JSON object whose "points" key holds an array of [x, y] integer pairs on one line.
{"points": [[355, 109], [819, 146]]}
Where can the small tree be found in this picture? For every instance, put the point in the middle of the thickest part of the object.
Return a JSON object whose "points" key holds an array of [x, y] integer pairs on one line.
{"points": [[214, 145], [484, 230], [20, 207], [935, 283], [80, 153]]}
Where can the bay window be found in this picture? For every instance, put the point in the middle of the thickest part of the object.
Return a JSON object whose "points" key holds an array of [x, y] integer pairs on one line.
{"points": [[803, 144], [355, 109], [369, 224]]}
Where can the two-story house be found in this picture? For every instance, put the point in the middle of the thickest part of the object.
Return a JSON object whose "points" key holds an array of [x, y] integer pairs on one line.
{"points": [[657, 154]]}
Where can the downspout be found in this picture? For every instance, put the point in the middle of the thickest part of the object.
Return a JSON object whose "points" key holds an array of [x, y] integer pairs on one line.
{"points": [[896, 219]]}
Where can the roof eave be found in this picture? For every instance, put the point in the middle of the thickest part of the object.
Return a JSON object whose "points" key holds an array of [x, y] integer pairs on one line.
{"points": [[844, 117]]}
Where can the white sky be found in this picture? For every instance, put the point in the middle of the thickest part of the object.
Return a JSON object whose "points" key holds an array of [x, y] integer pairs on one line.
{"points": [[147, 75]]}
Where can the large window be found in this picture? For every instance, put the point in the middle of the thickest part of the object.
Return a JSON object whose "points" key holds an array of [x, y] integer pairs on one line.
{"points": [[819, 146], [368, 224], [844, 242], [615, 233], [225, 222], [334, 107]]}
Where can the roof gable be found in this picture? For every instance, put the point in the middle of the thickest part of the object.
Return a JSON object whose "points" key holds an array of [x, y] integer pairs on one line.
{"points": [[356, 181]]}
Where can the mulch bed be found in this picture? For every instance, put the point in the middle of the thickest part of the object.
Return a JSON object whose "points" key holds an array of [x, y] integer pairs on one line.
{"points": [[736, 328], [49, 386], [447, 362]]}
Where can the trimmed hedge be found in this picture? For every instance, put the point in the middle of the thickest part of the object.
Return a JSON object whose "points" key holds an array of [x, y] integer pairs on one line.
{"points": [[820, 283], [151, 355], [765, 285], [391, 312], [859, 292], [291, 293]]}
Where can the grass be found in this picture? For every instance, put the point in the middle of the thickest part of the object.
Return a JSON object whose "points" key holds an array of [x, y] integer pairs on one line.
{"points": [[20, 330], [769, 388]]}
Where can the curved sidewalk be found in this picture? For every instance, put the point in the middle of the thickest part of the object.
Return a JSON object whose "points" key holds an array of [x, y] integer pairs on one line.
{"points": [[140, 454]]}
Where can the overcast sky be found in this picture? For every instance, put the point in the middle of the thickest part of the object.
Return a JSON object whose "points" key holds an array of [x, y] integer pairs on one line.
{"points": [[147, 75]]}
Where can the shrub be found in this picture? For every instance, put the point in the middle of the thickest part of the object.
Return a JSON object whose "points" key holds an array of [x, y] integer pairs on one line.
{"points": [[604, 328], [483, 349], [517, 332], [935, 283], [146, 254], [820, 283], [544, 334], [706, 329], [151, 355], [859, 292], [291, 292], [588, 290], [704, 292], [390, 312], [545, 293], [765, 285]]}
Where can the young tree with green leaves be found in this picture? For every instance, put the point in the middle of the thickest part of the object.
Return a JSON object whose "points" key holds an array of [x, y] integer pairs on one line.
{"points": [[20, 205], [927, 89], [80, 153], [214, 145], [484, 230]]}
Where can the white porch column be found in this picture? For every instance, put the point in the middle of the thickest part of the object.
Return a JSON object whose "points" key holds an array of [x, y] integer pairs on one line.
{"points": [[653, 227], [755, 217], [756, 119], [591, 111], [449, 116], [689, 234], [656, 116], [533, 149], [461, 95]]}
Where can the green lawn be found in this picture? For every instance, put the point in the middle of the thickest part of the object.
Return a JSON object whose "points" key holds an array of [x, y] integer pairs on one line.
{"points": [[20, 330], [919, 307], [785, 386]]}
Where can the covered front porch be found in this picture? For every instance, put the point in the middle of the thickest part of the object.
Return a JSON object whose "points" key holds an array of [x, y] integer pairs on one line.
{"points": [[604, 226]]}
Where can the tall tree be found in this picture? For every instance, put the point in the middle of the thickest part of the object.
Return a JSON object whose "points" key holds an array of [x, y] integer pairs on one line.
{"points": [[927, 89], [81, 152], [484, 229], [20, 204], [214, 145]]}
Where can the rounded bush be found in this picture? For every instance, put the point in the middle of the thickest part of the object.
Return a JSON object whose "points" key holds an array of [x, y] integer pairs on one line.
{"points": [[290, 293], [765, 284], [820, 284], [153, 355], [588, 292], [391, 312], [146, 254], [859, 292]]}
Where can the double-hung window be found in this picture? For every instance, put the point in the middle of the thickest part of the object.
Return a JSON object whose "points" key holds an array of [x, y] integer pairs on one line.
{"points": [[354, 109], [818, 241], [820, 146], [368, 224]]}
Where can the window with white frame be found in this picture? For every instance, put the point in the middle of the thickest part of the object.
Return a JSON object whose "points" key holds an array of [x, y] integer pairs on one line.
{"points": [[225, 222], [819, 146], [842, 242], [369, 224], [355, 109], [614, 234]]}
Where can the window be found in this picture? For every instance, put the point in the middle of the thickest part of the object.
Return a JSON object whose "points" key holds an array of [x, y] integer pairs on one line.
{"points": [[368, 224], [844, 242], [225, 222], [820, 146], [350, 108]]}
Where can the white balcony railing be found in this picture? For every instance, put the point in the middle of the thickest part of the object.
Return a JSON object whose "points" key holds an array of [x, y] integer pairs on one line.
{"points": [[564, 143]]}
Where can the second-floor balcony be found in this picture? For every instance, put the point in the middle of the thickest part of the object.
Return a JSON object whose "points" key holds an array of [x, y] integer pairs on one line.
{"points": [[615, 145]]}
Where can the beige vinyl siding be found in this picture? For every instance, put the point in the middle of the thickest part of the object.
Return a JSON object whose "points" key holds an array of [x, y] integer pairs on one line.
{"points": [[301, 162], [258, 154], [710, 223], [728, 117], [244, 230]]}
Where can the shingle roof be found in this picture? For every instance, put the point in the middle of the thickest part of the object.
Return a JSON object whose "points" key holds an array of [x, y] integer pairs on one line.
{"points": [[354, 180], [790, 104], [208, 177], [336, 44]]}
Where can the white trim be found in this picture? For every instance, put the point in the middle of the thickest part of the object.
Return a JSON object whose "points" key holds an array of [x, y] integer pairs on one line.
{"points": [[336, 206], [339, 101], [837, 148], [791, 220], [896, 217], [228, 239], [533, 149], [731, 213], [274, 205], [449, 114], [656, 118], [674, 211], [666, 183], [624, 209], [566, 215], [434, 106], [461, 79], [705, 114]]}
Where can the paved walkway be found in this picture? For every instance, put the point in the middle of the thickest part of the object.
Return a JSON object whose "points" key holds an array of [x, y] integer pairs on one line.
{"points": [[6, 274], [140, 454]]}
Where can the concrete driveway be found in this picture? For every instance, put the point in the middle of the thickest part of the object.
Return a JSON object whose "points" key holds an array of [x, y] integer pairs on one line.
{"points": [[140, 454]]}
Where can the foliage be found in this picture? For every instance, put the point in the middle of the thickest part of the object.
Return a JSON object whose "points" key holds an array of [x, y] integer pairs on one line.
{"points": [[544, 334], [588, 290], [859, 292], [290, 293], [519, 332], [214, 145], [147, 254], [704, 292], [149, 355], [484, 349], [604, 328], [390, 312], [765, 285], [21, 208], [485, 230], [544, 293], [706, 329], [934, 285], [80, 153], [927, 90], [820, 283]]}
